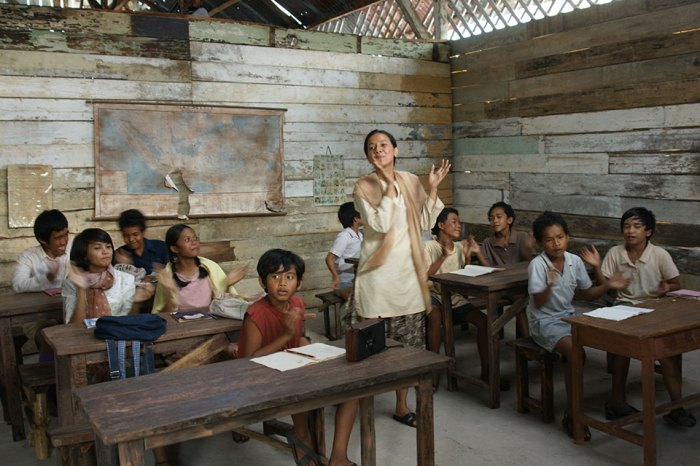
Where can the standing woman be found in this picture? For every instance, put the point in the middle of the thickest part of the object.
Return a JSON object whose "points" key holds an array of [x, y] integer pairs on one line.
{"points": [[391, 279]]}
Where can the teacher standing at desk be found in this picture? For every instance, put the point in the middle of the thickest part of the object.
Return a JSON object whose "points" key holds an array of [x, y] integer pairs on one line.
{"points": [[391, 279]]}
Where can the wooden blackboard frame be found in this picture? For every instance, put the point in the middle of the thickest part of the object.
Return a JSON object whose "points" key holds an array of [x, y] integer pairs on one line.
{"points": [[224, 161]]}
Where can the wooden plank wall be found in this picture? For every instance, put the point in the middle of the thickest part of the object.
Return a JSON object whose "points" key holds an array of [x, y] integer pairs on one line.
{"points": [[588, 113], [336, 88]]}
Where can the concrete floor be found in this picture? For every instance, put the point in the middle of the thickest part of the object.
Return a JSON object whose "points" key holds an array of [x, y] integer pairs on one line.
{"points": [[466, 431]]}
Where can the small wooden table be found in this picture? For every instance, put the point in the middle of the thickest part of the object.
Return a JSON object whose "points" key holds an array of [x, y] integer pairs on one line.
{"points": [[165, 408], [490, 287], [76, 346], [671, 329], [17, 309]]}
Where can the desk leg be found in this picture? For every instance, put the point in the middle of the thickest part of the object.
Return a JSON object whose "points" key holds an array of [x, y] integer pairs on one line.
{"points": [[493, 349], [425, 429], [10, 381], [132, 453], [649, 408], [576, 367], [71, 373], [368, 439], [448, 332], [317, 427], [106, 455]]}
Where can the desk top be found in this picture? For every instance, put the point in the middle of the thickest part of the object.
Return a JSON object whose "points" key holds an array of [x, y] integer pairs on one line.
{"points": [[76, 339], [199, 396], [670, 315], [14, 304], [513, 276]]}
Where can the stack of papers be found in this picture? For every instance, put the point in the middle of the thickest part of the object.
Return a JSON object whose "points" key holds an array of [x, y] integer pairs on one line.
{"points": [[300, 357], [689, 293], [617, 312], [475, 270]]}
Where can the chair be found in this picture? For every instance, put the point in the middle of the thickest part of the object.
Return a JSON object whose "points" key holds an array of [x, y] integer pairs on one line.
{"points": [[527, 350]]}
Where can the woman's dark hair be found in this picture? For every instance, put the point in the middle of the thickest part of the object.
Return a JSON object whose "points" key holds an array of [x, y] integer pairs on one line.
{"points": [[79, 250], [132, 218], [172, 236], [347, 214], [441, 218], [510, 213], [47, 222], [271, 261], [644, 215], [392, 139], [547, 219]]}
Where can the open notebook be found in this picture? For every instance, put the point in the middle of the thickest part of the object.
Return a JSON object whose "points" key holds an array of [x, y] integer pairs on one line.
{"points": [[475, 270], [300, 357], [619, 312]]}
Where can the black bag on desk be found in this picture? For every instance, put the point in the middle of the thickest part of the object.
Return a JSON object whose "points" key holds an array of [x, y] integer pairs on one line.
{"points": [[364, 339], [138, 328]]}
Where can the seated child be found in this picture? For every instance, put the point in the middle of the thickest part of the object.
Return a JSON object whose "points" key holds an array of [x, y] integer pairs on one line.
{"points": [[447, 254], [274, 323], [43, 267], [190, 281], [554, 277], [138, 250], [93, 287], [347, 244], [652, 274], [507, 246]]}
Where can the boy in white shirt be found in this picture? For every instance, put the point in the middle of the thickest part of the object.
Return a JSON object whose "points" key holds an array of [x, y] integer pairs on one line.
{"points": [[346, 245]]}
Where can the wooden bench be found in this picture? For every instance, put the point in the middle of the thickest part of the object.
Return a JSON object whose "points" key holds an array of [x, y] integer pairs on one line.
{"points": [[36, 379], [75, 445], [527, 350], [329, 299]]}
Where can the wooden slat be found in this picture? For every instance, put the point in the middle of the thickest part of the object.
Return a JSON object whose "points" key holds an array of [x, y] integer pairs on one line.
{"points": [[663, 163]]}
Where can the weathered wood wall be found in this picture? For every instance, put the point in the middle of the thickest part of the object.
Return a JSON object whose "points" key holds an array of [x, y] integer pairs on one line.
{"points": [[336, 88], [588, 113]]}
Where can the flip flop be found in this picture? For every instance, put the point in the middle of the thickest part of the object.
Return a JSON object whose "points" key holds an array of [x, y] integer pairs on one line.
{"points": [[408, 419], [308, 456]]}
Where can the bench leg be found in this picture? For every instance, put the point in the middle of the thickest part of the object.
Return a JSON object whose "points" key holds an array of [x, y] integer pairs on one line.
{"points": [[325, 309], [338, 310], [547, 390], [522, 382]]}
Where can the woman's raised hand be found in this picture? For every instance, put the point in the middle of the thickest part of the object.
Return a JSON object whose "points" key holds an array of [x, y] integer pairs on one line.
{"points": [[165, 278], [236, 275], [77, 276], [435, 177]]}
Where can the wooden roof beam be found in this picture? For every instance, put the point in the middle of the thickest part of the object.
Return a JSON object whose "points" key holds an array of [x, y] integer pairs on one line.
{"points": [[410, 15]]}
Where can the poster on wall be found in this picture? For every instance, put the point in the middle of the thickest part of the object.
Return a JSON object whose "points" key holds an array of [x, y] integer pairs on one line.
{"points": [[29, 192], [188, 160], [329, 179]]}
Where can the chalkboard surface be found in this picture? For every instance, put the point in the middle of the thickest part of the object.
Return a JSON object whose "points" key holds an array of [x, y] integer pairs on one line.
{"points": [[188, 161]]}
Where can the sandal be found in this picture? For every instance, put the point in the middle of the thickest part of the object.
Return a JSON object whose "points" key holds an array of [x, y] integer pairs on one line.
{"points": [[568, 424], [408, 419], [309, 456], [680, 417], [613, 413]]}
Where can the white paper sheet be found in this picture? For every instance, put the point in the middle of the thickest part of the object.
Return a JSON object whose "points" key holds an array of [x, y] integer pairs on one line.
{"points": [[475, 270], [300, 357], [617, 312]]}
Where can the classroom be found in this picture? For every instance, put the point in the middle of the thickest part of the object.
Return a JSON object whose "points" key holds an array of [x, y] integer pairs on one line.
{"points": [[587, 113]]}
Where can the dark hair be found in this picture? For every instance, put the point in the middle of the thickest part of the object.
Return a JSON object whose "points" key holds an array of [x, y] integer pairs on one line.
{"points": [[510, 213], [441, 218], [347, 214], [274, 258], [171, 238], [548, 219], [381, 131], [47, 222], [132, 218], [644, 215], [79, 250]]}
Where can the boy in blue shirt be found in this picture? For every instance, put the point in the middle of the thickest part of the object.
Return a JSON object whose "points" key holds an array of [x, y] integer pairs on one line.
{"points": [[554, 278], [139, 250]]}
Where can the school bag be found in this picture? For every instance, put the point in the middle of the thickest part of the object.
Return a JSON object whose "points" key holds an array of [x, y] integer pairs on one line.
{"points": [[138, 329]]}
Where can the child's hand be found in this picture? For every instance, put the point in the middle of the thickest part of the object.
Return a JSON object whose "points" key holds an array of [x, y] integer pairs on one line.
{"points": [[52, 271], [336, 282], [291, 317], [552, 277], [236, 275], [122, 257], [76, 276], [619, 281], [591, 256], [663, 288], [144, 292], [166, 279]]}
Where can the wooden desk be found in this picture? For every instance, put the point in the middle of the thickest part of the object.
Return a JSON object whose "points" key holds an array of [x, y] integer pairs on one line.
{"points": [[672, 328], [17, 309], [76, 346], [490, 287], [165, 408]]}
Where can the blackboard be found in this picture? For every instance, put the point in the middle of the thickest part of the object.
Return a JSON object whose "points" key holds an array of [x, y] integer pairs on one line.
{"points": [[188, 160]]}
